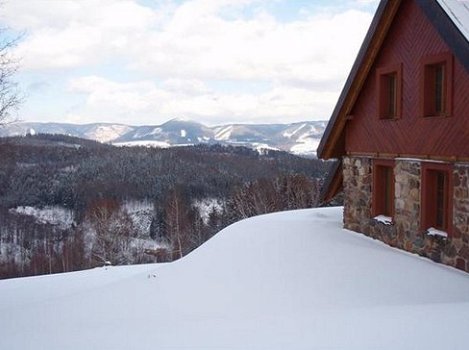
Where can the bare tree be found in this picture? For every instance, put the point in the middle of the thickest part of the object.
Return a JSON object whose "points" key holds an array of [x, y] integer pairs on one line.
{"points": [[9, 94], [176, 221], [113, 231]]}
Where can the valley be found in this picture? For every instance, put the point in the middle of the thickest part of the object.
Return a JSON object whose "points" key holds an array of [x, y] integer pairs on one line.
{"points": [[69, 203]]}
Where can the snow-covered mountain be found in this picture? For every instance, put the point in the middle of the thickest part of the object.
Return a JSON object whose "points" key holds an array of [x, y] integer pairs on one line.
{"points": [[174, 132], [102, 132], [299, 138], [292, 280]]}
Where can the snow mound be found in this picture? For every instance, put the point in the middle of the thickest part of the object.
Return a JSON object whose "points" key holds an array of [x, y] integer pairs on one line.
{"points": [[292, 280]]}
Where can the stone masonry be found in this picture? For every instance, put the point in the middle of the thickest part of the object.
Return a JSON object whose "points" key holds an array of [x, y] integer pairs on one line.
{"points": [[457, 253], [407, 175], [357, 193], [405, 231]]}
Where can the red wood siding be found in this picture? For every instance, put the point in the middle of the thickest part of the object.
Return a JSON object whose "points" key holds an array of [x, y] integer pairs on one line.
{"points": [[410, 39]]}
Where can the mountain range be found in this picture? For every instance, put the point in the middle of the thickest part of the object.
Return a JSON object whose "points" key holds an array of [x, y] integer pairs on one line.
{"points": [[300, 138]]}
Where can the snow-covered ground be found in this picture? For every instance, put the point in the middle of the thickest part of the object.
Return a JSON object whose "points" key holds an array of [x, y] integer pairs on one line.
{"points": [[293, 280], [54, 215], [144, 143], [207, 206], [141, 213], [305, 146]]}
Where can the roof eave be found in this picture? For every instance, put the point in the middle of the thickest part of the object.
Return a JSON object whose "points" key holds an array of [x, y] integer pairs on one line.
{"points": [[368, 51], [333, 183], [447, 30]]}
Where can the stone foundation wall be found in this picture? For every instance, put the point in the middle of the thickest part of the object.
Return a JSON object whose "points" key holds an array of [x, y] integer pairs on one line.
{"points": [[457, 253], [405, 231], [407, 175], [357, 193]]}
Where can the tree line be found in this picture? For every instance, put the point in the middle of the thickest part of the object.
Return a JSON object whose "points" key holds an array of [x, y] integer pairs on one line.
{"points": [[94, 181]]}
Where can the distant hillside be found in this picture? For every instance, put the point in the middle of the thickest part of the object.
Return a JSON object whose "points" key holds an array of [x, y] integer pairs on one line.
{"points": [[68, 203], [297, 138], [102, 132]]}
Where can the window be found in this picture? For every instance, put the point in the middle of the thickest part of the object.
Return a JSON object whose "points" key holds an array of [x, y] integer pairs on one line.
{"points": [[437, 196], [389, 92], [383, 187], [390, 100], [438, 72], [437, 86]]}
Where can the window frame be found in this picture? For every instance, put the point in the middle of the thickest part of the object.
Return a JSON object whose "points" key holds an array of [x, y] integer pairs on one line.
{"points": [[429, 207], [428, 85], [382, 82], [378, 197]]}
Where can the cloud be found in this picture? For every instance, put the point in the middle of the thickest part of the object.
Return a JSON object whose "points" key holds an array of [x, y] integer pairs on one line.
{"points": [[367, 2], [126, 97], [171, 58], [68, 34], [185, 86], [152, 104], [195, 40], [208, 47]]}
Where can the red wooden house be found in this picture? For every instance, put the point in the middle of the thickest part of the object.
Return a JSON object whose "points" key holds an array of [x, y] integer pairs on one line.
{"points": [[400, 131]]}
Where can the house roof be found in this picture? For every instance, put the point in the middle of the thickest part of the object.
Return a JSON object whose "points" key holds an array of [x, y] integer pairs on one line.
{"points": [[332, 183], [449, 17], [458, 11], [451, 20]]}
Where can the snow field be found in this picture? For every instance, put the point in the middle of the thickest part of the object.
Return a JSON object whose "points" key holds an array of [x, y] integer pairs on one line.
{"points": [[292, 280]]}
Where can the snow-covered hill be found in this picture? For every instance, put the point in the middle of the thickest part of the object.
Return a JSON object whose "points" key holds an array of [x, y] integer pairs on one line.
{"points": [[292, 280], [298, 138], [102, 132]]}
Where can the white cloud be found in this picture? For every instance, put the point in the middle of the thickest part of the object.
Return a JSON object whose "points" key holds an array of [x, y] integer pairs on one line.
{"points": [[127, 97], [181, 49], [67, 34], [367, 2], [208, 47], [185, 86], [149, 104]]}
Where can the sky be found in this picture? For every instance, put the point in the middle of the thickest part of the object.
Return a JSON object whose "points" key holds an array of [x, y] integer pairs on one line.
{"points": [[143, 62]]}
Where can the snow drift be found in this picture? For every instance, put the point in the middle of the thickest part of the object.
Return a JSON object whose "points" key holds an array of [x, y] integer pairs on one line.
{"points": [[292, 280]]}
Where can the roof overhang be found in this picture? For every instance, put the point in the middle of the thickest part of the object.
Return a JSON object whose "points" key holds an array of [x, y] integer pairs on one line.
{"points": [[332, 143], [333, 183]]}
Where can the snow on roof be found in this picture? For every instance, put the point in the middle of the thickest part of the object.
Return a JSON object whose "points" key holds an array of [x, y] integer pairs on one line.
{"points": [[458, 11]]}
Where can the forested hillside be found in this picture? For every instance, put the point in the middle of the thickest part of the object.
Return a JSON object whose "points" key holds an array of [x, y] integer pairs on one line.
{"points": [[68, 203]]}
